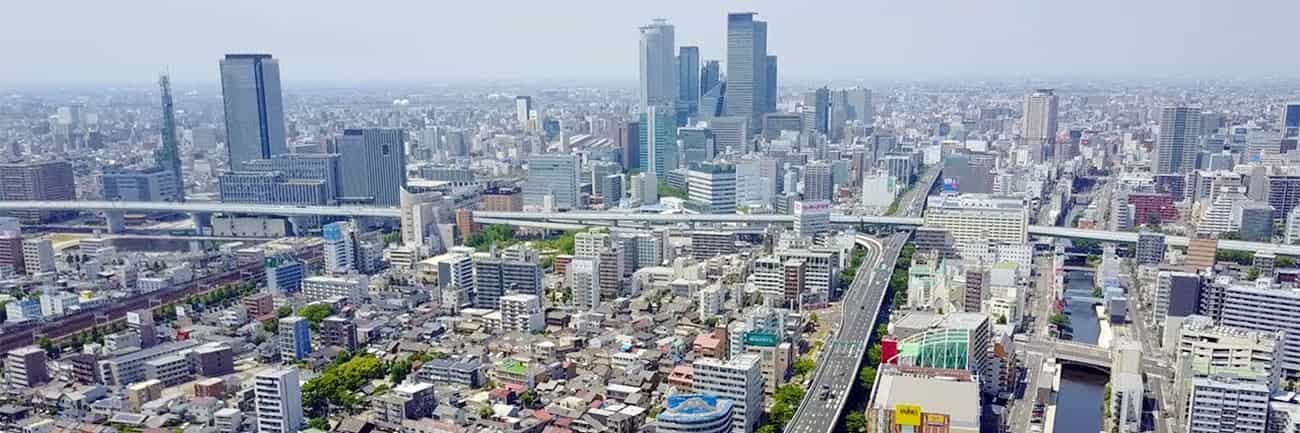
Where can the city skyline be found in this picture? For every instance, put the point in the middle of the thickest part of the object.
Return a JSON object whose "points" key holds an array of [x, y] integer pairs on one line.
{"points": [[951, 40]]}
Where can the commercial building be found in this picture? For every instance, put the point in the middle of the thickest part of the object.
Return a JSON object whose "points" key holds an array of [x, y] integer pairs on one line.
{"points": [[39, 181], [688, 80], [712, 188], [811, 217], [1204, 348], [698, 145], [906, 399], [555, 176], [340, 247], [149, 184], [658, 67], [278, 398], [1177, 294], [250, 92], [817, 182], [740, 380], [1256, 220], [695, 413], [747, 70], [502, 199], [658, 140], [284, 275], [977, 220], [373, 163], [958, 341]]}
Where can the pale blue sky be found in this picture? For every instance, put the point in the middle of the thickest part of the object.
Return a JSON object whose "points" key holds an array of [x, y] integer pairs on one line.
{"points": [[440, 40]]}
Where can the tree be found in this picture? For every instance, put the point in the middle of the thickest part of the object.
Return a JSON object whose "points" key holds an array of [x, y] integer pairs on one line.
{"points": [[1002, 319], [1060, 320], [48, 345], [485, 412], [284, 311], [881, 331], [319, 422], [398, 371], [1285, 262], [1252, 274], [711, 322], [528, 398], [767, 428], [867, 376], [315, 313], [813, 318], [855, 422], [804, 366], [873, 355]]}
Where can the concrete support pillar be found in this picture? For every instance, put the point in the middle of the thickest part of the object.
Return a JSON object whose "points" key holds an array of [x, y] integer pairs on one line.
{"points": [[116, 221], [202, 222]]}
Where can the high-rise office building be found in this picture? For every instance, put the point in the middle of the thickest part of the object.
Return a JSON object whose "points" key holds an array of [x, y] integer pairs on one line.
{"points": [[688, 80], [817, 183], [1291, 120], [698, 145], [599, 171], [1177, 143], [555, 176], [817, 105], [730, 133], [523, 108], [149, 184], [860, 105], [658, 144], [250, 91], [168, 156], [746, 68], [658, 65], [38, 181], [711, 188], [740, 380], [629, 143], [278, 399], [710, 75], [769, 85], [373, 165], [1040, 122]]}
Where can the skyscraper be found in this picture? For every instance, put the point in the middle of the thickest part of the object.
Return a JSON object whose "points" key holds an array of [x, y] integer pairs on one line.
{"points": [[523, 108], [629, 142], [169, 153], [710, 75], [250, 90], [746, 68], [373, 164], [1040, 122], [658, 141], [769, 86], [820, 102], [688, 79], [697, 145], [658, 69], [817, 183], [1291, 120], [1176, 145]]}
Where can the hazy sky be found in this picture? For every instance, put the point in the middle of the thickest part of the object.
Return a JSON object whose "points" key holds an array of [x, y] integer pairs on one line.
{"points": [[130, 41]]}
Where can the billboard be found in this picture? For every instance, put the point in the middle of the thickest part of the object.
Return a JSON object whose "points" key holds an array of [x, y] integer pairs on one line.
{"points": [[760, 339], [906, 414]]}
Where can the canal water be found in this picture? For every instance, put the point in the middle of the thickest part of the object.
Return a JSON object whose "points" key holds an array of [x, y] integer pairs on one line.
{"points": [[1079, 402]]}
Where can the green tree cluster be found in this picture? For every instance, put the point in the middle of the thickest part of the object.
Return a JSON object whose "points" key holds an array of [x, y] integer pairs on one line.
{"points": [[335, 387], [315, 313], [496, 234], [804, 366], [668, 191]]}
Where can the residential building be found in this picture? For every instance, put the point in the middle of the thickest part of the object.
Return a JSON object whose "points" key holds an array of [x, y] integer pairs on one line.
{"points": [[352, 287], [1219, 404], [1040, 122], [976, 220], [25, 368], [38, 181], [1176, 145], [294, 338], [495, 277], [340, 332], [1262, 308], [277, 396], [522, 313], [740, 380], [38, 256]]}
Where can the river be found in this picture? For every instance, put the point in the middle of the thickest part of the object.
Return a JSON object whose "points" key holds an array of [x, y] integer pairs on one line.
{"points": [[1078, 404]]}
